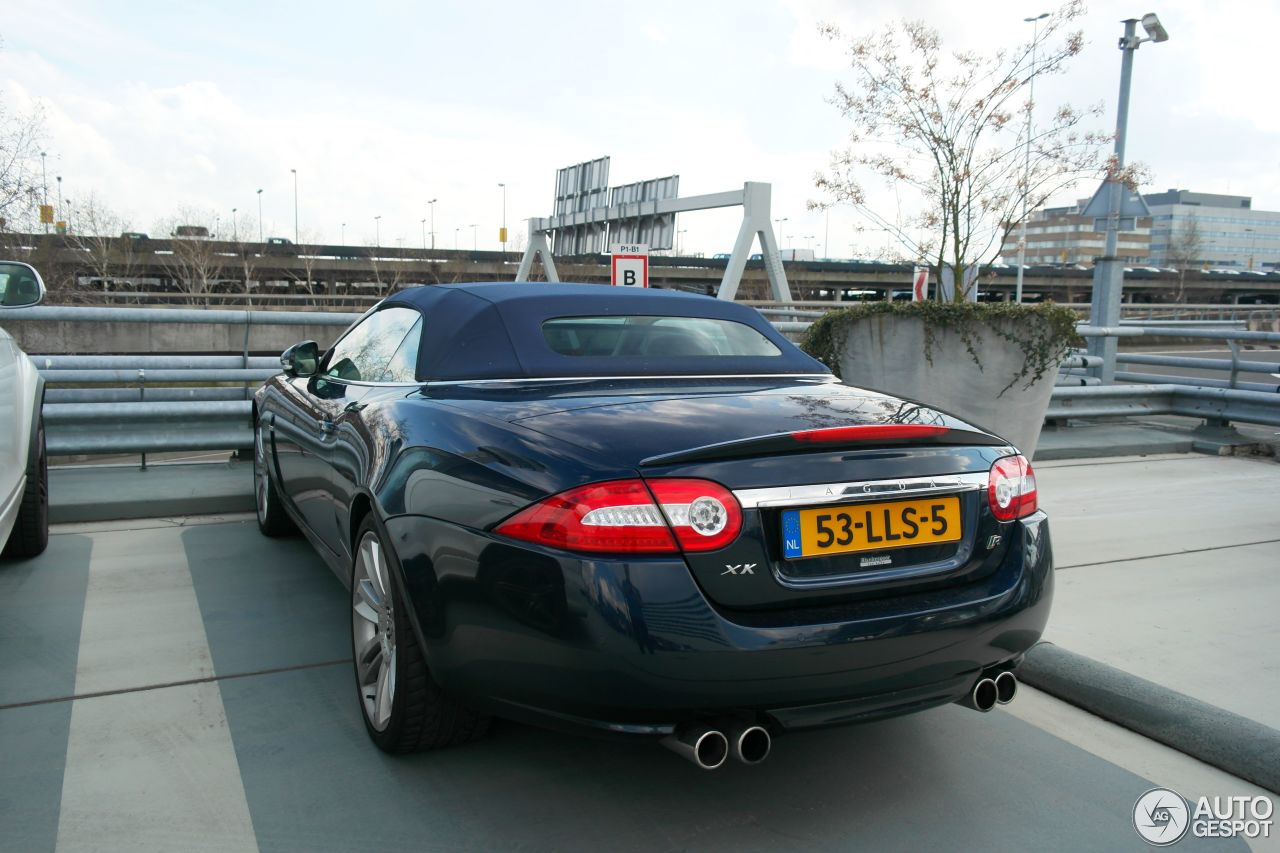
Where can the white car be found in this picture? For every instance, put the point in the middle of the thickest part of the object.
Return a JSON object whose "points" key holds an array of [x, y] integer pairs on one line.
{"points": [[24, 469]]}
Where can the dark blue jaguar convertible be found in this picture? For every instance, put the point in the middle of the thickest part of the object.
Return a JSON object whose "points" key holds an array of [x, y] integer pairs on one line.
{"points": [[642, 513]]}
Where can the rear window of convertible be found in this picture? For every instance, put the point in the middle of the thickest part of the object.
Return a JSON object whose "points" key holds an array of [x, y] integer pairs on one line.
{"points": [[647, 336]]}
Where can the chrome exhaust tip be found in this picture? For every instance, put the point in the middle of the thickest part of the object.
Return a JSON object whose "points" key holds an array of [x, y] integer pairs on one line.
{"points": [[983, 696], [1006, 687], [749, 744], [704, 746]]}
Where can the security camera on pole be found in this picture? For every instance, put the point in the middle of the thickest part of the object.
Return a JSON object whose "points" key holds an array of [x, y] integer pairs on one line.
{"points": [[1116, 207]]}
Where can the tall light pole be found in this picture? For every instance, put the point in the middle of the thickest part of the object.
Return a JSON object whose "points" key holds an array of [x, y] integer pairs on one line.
{"points": [[780, 221], [432, 204], [680, 240], [295, 205], [474, 228], [424, 235], [503, 233], [1253, 242], [44, 184], [259, 215], [235, 226], [1026, 161], [377, 230], [1108, 272], [59, 216], [343, 238], [455, 238]]}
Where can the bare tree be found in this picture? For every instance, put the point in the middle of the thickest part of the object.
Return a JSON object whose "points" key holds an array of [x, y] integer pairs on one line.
{"points": [[107, 257], [20, 137], [195, 263], [307, 258], [945, 125], [1186, 250]]}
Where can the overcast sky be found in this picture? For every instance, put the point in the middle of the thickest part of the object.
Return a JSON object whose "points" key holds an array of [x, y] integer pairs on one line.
{"points": [[381, 106]]}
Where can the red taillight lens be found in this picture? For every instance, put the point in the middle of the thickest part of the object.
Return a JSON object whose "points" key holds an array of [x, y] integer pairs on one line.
{"points": [[870, 432], [1011, 488], [620, 517]]}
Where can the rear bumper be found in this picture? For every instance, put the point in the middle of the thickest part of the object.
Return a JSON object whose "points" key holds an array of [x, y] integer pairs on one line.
{"points": [[633, 646]]}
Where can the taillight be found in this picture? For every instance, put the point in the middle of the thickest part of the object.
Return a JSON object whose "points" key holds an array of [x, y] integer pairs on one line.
{"points": [[621, 517], [704, 515], [1011, 488]]}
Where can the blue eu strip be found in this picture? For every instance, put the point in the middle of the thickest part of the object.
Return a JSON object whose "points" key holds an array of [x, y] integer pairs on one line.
{"points": [[791, 534]]}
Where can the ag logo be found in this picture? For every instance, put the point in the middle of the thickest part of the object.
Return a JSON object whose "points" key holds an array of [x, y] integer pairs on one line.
{"points": [[740, 569], [1161, 817]]}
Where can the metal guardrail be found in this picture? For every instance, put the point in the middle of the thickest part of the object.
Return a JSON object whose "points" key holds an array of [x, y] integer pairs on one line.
{"points": [[122, 412]]}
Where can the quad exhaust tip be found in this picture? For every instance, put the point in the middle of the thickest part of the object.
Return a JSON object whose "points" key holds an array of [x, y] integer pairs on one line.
{"points": [[985, 694], [704, 746], [1006, 687], [749, 744]]}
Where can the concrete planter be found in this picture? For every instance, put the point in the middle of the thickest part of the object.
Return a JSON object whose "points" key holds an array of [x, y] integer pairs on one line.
{"points": [[887, 353]]}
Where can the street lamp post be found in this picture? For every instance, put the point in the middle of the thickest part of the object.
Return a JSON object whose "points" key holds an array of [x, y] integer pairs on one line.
{"points": [[235, 226], [377, 230], [680, 240], [44, 185], [295, 205], [1253, 242], [474, 228], [1026, 162], [455, 238], [342, 239], [1108, 272], [424, 235], [504, 217], [59, 216], [259, 215], [432, 204]]}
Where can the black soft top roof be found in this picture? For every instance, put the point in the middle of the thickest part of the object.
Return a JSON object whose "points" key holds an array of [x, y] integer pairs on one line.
{"points": [[494, 331]]}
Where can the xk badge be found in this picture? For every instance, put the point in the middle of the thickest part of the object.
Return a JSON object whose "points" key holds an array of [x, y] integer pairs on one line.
{"points": [[739, 569]]}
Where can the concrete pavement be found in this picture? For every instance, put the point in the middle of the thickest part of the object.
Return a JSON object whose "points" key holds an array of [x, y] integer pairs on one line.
{"points": [[230, 723]]}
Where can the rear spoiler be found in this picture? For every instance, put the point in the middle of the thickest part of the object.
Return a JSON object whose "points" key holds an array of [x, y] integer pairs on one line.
{"points": [[833, 438]]}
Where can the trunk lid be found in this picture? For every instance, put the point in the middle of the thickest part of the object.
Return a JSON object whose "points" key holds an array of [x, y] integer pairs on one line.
{"points": [[756, 438]]}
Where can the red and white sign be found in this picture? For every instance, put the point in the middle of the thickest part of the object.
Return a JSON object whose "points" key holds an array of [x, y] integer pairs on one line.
{"points": [[629, 265], [920, 285]]}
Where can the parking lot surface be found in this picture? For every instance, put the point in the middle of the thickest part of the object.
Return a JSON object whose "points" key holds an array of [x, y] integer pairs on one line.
{"points": [[184, 685]]}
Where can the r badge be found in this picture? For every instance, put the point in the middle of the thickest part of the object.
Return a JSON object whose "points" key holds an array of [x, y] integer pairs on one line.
{"points": [[993, 541]]}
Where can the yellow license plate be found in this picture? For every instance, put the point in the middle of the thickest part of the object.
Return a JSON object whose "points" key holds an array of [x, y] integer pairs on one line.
{"points": [[875, 526]]}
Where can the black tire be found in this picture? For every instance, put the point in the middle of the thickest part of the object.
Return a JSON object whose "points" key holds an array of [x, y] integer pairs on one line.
{"points": [[30, 535], [273, 521], [422, 716]]}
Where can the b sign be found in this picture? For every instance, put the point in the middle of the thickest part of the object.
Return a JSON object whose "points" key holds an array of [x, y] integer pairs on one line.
{"points": [[629, 265]]}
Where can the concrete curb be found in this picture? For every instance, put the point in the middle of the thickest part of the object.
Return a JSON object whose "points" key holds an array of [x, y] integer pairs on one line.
{"points": [[111, 493], [1230, 742]]}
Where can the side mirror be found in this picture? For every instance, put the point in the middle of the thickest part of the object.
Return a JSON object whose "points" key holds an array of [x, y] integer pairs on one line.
{"points": [[20, 285], [301, 360]]}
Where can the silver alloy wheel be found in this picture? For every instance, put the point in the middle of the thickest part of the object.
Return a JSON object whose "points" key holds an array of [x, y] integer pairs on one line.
{"points": [[373, 632], [261, 481]]}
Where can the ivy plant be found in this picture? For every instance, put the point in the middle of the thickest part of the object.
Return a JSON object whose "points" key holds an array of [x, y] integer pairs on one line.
{"points": [[1044, 332]]}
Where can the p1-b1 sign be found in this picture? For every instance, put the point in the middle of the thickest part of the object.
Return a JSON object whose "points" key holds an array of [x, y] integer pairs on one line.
{"points": [[629, 265]]}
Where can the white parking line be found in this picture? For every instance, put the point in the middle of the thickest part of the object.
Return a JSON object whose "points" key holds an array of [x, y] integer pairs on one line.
{"points": [[151, 770]]}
